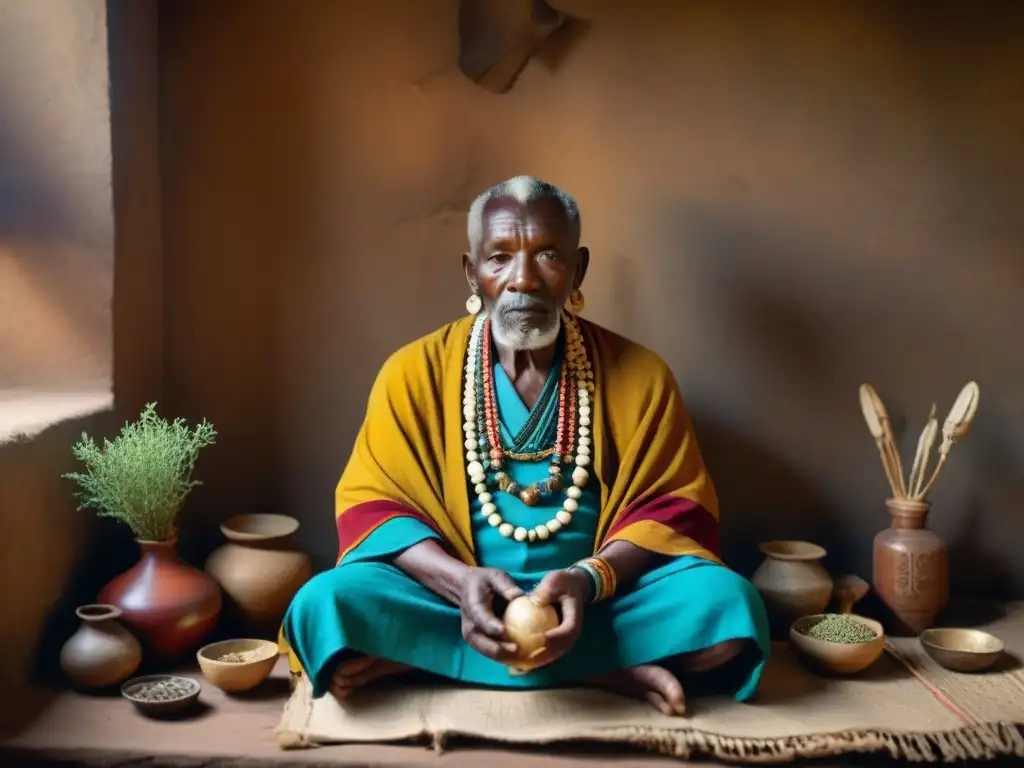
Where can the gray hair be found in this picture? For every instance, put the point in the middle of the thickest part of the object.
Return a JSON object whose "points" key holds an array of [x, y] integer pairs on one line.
{"points": [[525, 189]]}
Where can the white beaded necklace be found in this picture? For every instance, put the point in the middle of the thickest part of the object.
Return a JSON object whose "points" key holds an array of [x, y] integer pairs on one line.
{"points": [[476, 464]]}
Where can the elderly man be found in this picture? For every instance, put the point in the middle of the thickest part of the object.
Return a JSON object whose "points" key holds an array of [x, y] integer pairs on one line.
{"points": [[519, 450]]}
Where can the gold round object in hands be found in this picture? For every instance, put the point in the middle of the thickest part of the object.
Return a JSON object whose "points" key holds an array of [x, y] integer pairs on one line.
{"points": [[526, 622]]}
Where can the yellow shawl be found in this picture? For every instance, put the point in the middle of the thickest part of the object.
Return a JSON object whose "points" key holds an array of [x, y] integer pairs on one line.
{"points": [[409, 457]]}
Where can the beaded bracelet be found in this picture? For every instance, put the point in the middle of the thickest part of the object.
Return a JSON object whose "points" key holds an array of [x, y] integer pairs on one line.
{"points": [[601, 573]]}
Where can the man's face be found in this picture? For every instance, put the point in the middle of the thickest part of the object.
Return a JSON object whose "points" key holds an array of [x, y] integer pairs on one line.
{"points": [[527, 264]]}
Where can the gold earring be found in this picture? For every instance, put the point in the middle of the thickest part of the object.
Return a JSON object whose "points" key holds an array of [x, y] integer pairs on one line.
{"points": [[575, 303], [474, 304]]}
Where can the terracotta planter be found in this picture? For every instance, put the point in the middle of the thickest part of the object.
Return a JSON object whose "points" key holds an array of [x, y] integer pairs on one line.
{"points": [[101, 652], [170, 605], [792, 582], [910, 568], [260, 569]]}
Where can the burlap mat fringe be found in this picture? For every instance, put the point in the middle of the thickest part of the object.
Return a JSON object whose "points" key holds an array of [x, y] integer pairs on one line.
{"points": [[299, 705], [977, 742]]}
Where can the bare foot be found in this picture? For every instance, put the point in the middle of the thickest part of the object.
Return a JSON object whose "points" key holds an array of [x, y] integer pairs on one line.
{"points": [[709, 658], [647, 682], [356, 672]]}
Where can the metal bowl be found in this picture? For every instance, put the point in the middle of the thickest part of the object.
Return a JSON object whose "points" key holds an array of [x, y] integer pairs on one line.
{"points": [[962, 650], [161, 695]]}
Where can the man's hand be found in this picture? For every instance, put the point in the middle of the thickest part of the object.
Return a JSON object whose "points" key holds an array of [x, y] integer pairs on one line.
{"points": [[481, 627], [568, 592]]}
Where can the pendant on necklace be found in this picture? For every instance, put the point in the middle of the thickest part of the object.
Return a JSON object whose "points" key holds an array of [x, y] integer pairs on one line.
{"points": [[529, 496]]}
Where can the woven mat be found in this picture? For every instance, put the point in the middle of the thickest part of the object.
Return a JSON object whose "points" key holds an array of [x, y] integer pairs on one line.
{"points": [[997, 694], [888, 709]]}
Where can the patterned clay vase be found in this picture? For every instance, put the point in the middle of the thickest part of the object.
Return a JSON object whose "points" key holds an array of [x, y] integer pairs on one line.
{"points": [[792, 582], [170, 605], [102, 652], [910, 569], [260, 569]]}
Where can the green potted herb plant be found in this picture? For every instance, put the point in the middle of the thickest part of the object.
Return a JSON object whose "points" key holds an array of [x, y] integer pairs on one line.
{"points": [[142, 478]]}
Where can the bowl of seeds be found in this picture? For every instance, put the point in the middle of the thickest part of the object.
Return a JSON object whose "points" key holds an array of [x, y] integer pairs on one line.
{"points": [[839, 643], [238, 665], [161, 695]]}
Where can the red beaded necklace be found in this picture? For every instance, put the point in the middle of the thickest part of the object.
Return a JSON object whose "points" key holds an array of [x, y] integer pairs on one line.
{"points": [[566, 426]]}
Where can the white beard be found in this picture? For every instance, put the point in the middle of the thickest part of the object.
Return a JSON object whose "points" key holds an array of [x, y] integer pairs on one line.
{"points": [[523, 339]]}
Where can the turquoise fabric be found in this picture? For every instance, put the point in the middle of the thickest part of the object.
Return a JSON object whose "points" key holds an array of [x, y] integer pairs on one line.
{"points": [[368, 606], [541, 433]]}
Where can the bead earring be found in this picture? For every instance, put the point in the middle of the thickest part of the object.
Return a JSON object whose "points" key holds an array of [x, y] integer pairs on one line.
{"points": [[474, 304], [575, 303]]}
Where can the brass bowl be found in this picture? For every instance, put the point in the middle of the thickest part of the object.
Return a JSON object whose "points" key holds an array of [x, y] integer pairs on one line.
{"points": [[837, 658], [253, 662], [962, 650]]}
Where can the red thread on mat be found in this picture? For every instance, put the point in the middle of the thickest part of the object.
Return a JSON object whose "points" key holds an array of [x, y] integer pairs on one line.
{"points": [[933, 689]]}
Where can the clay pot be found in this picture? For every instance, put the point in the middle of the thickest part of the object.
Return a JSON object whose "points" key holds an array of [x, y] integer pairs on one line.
{"points": [[792, 582], [910, 570], [102, 652], [260, 569], [170, 605]]}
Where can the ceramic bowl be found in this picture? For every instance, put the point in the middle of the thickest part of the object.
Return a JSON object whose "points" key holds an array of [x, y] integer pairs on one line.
{"points": [[161, 695], [238, 665], [962, 650], [837, 658]]}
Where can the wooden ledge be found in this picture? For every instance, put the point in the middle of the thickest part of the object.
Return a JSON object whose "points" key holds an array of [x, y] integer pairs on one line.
{"points": [[25, 413]]}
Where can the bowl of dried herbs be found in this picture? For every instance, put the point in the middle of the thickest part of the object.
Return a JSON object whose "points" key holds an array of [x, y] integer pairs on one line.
{"points": [[838, 643]]}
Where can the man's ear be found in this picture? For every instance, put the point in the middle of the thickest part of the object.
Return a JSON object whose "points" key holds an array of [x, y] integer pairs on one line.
{"points": [[467, 268], [582, 262]]}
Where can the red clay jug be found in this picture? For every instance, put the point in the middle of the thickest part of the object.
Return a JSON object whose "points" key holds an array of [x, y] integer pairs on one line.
{"points": [[168, 603], [910, 568]]}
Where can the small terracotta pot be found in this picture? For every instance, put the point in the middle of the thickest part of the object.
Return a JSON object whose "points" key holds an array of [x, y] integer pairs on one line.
{"points": [[792, 582], [101, 653], [260, 569], [910, 568], [171, 605]]}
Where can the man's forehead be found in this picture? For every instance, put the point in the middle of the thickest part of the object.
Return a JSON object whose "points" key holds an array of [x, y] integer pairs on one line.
{"points": [[503, 215]]}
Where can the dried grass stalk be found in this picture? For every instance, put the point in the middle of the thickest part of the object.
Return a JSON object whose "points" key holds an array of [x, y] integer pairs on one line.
{"points": [[924, 449], [876, 418], [955, 428]]}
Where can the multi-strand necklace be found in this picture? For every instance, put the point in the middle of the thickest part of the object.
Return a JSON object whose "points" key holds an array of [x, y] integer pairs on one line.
{"points": [[485, 455]]}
